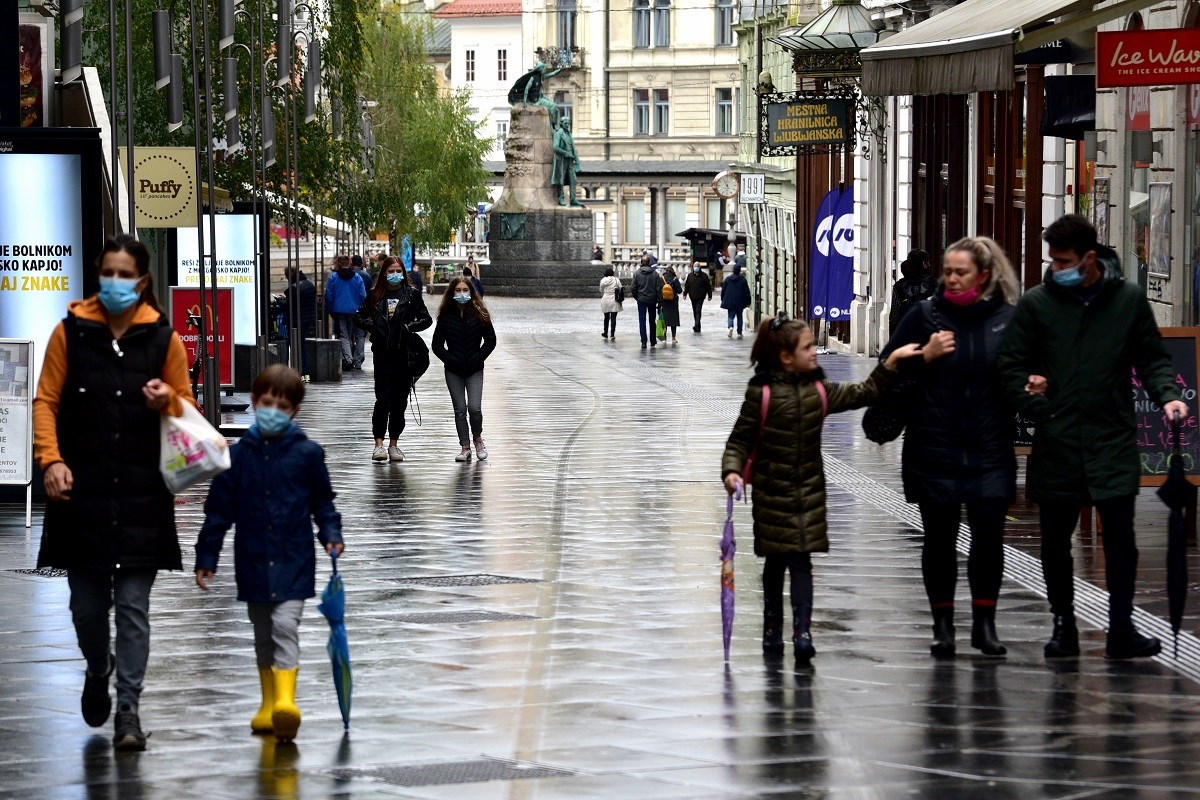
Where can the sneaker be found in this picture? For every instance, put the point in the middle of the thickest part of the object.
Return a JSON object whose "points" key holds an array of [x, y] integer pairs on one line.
{"points": [[739, 336], [395, 453], [347, 366], [481, 449], [306, 378], [127, 731], [95, 703], [730, 334], [643, 345], [379, 454], [464, 454]]}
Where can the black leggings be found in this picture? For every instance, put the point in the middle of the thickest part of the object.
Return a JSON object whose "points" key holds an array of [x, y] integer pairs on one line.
{"points": [[939, 560], [1120, 555], [800, 567], [391, 394], [610, 319]]}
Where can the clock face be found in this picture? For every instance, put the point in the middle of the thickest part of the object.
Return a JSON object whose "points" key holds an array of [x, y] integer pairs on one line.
{"points": [[726, 184]]}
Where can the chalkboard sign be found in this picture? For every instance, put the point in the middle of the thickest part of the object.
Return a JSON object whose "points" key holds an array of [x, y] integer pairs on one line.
{"points": [[1154, 437]]}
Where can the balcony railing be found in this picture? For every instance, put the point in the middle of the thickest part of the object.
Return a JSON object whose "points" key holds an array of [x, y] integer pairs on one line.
{"points": [[556, 57]]}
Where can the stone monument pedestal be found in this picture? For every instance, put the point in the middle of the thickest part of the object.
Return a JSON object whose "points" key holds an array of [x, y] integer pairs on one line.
{"points": [[537, 248]]}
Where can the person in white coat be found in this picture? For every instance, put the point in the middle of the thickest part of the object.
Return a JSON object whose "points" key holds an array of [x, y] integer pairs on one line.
{"points": [[610, 305]]}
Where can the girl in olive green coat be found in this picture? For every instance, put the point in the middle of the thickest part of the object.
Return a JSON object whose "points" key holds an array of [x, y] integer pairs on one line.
{"points": [[789, 479]]}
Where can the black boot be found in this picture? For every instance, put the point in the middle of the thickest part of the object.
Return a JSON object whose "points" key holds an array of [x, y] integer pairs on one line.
{"points": [[983, 631], [1125, 642], [942, 645], [1064, 641], [772, 643], [801, 633]]}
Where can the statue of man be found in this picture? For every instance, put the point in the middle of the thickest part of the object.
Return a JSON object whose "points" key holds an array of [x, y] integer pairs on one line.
{"points": [[566, 164], [528, 89]]}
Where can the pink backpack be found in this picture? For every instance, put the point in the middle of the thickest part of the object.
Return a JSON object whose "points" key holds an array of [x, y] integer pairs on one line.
{"points": [[748, 468]]}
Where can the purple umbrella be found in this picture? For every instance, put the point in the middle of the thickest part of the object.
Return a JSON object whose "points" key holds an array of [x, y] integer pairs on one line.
{"points": [[728, 549]]}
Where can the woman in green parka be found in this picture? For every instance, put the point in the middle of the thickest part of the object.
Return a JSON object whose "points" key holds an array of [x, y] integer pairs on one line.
{"points": [[789, 477]]}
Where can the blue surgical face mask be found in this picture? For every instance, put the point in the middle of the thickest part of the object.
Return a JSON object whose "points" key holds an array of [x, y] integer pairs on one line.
{"points": [[462, 298], [1068, 277], [695, 269], [270, 420], [395, 278], [118, 294]]}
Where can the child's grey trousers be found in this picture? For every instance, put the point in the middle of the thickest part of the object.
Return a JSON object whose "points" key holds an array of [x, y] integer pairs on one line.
{"points": [[276, 633]]}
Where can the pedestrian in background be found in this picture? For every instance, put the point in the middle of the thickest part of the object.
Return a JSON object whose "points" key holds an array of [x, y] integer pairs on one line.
{"points": [[609, 306], [597, 253], [671, 289], [916, 285], [699, 288], [784, 434], [393, 312], [469, 273], [275, 489], [113, 367], [302, 294], [958, 446], [463, 339], [647, 291], [735, 298], [1066, 362], [344, 295]]}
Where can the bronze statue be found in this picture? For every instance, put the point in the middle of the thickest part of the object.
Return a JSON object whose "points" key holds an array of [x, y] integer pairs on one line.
{"points": [[528, 89], [566, 164]]}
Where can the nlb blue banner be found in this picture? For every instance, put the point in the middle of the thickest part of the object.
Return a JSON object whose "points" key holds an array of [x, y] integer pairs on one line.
{"points": [[819, 259]]}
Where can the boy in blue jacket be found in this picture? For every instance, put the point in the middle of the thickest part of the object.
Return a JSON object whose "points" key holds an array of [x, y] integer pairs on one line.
{"points": [[276, 486]]}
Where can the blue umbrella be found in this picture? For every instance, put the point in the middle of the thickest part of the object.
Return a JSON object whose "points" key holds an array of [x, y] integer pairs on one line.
{"points": [[333, 607]]}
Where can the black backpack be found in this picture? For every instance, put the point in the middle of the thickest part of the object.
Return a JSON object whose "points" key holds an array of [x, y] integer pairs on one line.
{"points": [[914, 292]]}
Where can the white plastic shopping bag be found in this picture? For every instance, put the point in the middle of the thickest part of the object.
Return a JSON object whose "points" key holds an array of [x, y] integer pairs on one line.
{"points": [[191, 451]]}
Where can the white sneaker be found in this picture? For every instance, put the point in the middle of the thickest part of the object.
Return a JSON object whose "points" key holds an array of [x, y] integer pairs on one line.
{"points": [[464, 454], [395, 453], [379, 454], [480, 450], [730, 334]]}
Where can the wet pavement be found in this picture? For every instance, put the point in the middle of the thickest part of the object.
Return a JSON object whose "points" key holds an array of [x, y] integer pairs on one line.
{"points": [[545, 624]]}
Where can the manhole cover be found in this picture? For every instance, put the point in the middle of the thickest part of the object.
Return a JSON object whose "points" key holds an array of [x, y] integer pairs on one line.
{"points": [[44, 572], [449, 772], [438, 617], [466, 580]]}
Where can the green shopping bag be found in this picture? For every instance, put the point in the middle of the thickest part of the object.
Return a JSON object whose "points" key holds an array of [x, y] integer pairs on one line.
{"points": [[660, 329]]}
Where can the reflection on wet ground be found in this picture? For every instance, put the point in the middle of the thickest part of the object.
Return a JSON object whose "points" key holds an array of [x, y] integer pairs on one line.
{"points": [[545, 624]]}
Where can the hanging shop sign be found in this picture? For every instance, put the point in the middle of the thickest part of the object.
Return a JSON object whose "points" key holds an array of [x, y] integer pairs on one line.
{"points": [[753, 189], [164, 185], [1159, 57], [793, 123]]}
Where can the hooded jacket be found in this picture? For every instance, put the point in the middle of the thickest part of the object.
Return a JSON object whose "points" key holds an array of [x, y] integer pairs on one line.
{"points": [[1084, 444], [789, 475], [344, 295], [735, 292], [273, 492]]}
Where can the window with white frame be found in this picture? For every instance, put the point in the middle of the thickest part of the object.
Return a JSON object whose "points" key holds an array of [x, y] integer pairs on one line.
{"points": [[724, 22], [714, 213], [567, 14], [676, 217], [724, 112], [635, 221], [469, 72], [562, 100], [501, 65], [641, 23], [641, 112], [501, 134], [662, 23], [662, 112]]}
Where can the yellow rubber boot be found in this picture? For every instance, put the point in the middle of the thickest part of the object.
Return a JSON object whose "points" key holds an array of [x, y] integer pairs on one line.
{"points": [[285, 718], [261, 722]]}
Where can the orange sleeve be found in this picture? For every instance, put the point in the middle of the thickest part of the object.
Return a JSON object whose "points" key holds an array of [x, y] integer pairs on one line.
{"points": [[175, 375], [46, 401]]}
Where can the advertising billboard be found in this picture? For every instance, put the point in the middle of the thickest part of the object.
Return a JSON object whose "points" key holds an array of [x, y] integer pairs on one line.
{"points": [[51, 228], [237, 268], [185, 319]]}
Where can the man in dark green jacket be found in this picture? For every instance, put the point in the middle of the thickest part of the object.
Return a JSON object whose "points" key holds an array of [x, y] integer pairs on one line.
{"points": [[1066, 363]]}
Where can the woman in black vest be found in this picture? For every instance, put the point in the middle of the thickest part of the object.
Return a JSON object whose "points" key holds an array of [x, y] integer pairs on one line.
{"points": [[463, 339], [112, 368], [958, 449], [394, 312]]}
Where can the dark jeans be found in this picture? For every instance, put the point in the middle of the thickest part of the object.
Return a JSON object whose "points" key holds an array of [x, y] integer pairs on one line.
{"points": [[466, 395], [799, 565], [647, 316], [697, 305], [733, 317], [610, 323], [93, 593], [1120, 555], [939, 559], [392, 384]]}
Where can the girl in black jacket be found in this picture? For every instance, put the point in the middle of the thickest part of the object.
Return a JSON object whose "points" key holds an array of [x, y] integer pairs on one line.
{"points": [[958, 446], [394, 312], [463, 339]]}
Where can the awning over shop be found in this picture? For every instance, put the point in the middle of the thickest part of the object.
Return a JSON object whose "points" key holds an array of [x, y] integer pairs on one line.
{"points": [[970, 48]]}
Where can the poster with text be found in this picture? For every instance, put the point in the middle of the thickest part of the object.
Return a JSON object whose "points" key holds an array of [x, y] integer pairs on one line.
{"points": [[841, 260], [41, 243], [16, 412], [236, 267], [818, 270]]}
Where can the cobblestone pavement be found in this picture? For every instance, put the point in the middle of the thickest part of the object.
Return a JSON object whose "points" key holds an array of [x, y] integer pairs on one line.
{"points": [[545, 624]]}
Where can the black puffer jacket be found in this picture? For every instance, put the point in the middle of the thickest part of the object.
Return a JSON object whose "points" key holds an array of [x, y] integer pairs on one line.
{"points": [[387, 331], [463, 342], [959, 445]]}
